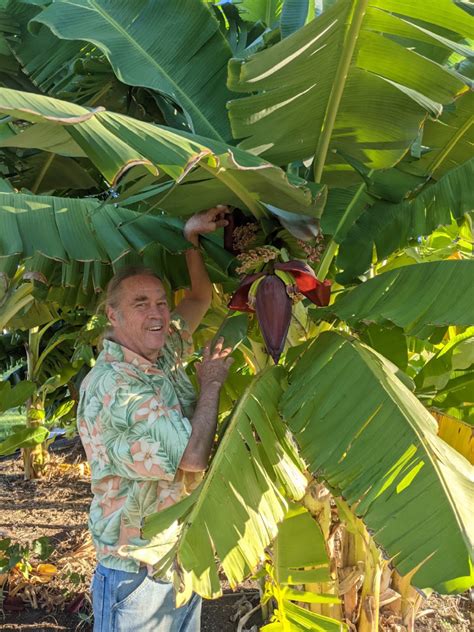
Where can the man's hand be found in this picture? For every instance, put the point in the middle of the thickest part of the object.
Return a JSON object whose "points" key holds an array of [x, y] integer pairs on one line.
{"points": [[198, 298], [215, 365], [205, 222], [212, 373]]}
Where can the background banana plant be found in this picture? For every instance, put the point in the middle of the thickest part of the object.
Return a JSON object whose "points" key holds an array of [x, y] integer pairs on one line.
{"points": [[343, 131]]}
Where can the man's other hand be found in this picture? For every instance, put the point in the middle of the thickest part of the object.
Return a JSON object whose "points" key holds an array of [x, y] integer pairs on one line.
{"points": [[215, 365]]}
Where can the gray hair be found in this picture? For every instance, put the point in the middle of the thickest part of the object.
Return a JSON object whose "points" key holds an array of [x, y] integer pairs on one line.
{"points": [[112, 294]]}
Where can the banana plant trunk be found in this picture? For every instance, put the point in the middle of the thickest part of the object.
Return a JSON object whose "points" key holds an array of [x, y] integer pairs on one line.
{"points": [[35, 458]]}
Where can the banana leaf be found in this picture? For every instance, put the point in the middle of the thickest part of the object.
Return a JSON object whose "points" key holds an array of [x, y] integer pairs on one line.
{"points": [[80, 243], [23, 438], [348, 81], [175, 48], [416, 297], [115, 143], [299, 557], [375, 445], [388, 226], [12, 397]]}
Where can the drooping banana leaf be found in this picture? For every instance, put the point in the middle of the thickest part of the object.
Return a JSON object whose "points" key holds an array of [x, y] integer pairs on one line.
{"points": [[115, 143], [416, 298], [375, 445], [235, 513], [62, 238], [175, 48], [348, 81]]}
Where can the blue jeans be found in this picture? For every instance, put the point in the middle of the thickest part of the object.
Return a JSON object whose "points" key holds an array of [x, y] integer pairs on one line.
{"points": [[134, 602]]}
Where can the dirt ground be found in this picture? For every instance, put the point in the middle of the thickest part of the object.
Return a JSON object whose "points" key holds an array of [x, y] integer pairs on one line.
{"points": [[56, 594], [57, 507]]}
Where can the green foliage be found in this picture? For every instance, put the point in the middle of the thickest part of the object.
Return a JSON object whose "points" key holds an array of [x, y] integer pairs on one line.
{"points": [[189, 45], [12, 397], [389, 226], [20, 555], [411, 297], [376, 94], [116, 143], [23, 437], [293, 16], [293, 85], [299, 558], [381, 453]]}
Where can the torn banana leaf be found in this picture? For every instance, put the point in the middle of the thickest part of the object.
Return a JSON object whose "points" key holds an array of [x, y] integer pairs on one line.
{"points": [[116, 143]]}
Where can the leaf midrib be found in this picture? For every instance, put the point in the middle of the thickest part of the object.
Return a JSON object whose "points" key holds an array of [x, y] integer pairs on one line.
{"points": [[179, 92]]}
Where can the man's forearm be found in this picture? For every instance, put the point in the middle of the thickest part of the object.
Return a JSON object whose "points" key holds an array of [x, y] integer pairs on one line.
{"points": [[196, 456], [201, 286]]}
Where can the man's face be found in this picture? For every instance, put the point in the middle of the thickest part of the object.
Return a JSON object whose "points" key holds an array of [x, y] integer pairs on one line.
{"points": [[141, 320]]}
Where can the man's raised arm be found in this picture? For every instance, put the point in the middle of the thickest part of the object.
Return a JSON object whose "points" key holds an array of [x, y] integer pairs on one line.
{"points": [[197, 299]]}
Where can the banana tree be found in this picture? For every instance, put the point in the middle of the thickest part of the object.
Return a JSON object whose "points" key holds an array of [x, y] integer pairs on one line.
{"points": [[367, 108], [48, 341]]}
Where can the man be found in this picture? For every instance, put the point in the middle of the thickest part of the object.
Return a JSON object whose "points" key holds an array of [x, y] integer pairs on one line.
{"points": [[145, 434]]}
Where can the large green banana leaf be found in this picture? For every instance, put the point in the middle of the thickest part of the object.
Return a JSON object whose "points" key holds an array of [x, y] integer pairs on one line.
{"points": [[41, 56], [71, 69], [115, 143], [175, 48], [84, 235], [235, 512], [416, 298], [367, 436], [349, 80]]}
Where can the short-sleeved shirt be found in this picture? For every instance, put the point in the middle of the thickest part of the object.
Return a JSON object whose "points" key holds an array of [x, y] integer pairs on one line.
{"points": [[133, 420]]}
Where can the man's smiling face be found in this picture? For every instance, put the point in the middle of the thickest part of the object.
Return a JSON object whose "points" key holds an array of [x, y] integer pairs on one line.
{"points": [[141, 317]]}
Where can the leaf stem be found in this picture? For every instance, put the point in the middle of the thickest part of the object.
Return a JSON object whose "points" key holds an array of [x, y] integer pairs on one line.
{"points": [[358, 11], [333, 245], [326, 260]]}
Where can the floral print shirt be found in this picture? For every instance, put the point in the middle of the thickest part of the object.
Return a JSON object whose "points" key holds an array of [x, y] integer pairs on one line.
{"points": [[133, 423]]}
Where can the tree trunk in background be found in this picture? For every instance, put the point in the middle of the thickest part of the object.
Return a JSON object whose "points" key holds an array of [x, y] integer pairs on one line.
{"points": [[35, 458]]}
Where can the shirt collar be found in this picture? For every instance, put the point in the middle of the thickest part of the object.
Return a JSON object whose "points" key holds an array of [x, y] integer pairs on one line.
{"points": [[114, 352]]}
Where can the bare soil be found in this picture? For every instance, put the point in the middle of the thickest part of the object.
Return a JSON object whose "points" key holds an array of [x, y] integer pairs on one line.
{"points": [[55, 595], [57, 507]]}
